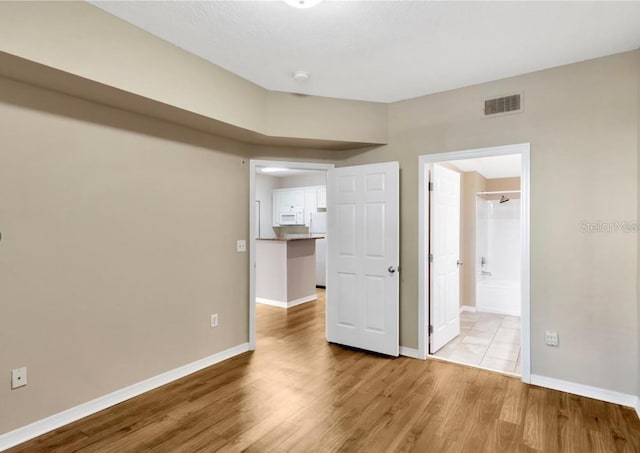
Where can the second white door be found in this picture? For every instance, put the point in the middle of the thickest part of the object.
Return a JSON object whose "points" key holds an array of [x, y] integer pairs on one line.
{"points": [[363, 257], [444, 313]]}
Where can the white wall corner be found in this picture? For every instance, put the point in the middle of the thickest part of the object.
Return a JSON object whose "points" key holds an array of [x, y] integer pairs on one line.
{"points": [[588, 391], [35, 429], [411, 352]]}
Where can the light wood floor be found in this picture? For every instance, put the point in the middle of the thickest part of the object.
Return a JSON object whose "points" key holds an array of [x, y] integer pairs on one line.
{"points": [[297, 393]]}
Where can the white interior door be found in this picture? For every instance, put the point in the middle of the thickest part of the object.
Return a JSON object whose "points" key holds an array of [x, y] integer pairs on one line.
{"points": [[445, 257], [363, 257]]}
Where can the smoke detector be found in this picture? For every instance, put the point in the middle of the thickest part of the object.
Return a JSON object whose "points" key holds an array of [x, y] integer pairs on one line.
{"points": [[302, 3], [301, 76]]}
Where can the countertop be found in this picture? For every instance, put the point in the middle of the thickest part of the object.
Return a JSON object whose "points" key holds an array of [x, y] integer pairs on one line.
{"points": [[306, 238]]}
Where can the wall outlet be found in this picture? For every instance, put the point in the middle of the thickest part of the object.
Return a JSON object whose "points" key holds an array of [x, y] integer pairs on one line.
{"points": [[551, 338], [241, 245], [214, 320], [19, 377]]}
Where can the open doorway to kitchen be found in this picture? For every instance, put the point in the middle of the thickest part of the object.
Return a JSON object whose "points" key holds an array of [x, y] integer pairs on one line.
{"points": [[474, 258], [288, 209]]}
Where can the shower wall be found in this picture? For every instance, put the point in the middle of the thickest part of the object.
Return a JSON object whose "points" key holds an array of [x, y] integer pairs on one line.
{"points": [[498, 245], [472, 183]]}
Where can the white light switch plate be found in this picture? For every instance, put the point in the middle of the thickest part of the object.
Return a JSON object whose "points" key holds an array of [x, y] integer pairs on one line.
{"points": [[551, 338], [19, 377], [241, 245]]}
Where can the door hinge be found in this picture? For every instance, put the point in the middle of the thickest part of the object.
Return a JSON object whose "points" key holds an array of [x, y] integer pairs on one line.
{"points": [[431, 257], [430, 187], [430, 329]]}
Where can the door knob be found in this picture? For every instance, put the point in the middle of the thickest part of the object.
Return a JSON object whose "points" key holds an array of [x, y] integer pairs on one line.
{"points": [[459, 263], [392, 269]]}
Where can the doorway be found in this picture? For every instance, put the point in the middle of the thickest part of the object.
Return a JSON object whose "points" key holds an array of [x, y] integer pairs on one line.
{"points": [[474, 258], [287, 216]]}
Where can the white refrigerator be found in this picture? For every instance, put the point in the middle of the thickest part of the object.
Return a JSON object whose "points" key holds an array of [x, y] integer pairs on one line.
{"points": [[318, 225]]}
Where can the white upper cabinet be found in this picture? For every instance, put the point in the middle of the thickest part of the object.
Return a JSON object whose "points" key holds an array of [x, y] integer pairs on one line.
{"points": [[305, 199], [310, 205], [276, 207], [321, 198]]}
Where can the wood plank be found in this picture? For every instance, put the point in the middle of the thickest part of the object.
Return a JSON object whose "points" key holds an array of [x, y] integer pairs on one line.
{"points": [[298, 393]]}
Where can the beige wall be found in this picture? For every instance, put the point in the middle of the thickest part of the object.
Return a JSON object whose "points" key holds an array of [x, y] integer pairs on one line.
{"points": [[581, 121], [118, 243], [472, 183], [498, 184], [81, 39]]}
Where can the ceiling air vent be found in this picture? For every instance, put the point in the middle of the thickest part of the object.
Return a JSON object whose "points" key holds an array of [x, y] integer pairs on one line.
{"points": [[505, 104]]}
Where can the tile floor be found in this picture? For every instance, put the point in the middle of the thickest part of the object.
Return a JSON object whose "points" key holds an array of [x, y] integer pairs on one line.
{"points": [[488, 340]]}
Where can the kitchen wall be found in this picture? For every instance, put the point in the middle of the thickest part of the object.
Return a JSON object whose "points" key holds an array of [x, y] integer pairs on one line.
{"points": [[264, 194], [318, 178], [582, 123], [118, 243]]}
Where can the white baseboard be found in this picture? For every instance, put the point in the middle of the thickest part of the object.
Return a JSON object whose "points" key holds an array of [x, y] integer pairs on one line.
{"points": [[20, 435], [281, 304], [597, 393], [410, 352], [467, 308], [497, 311]]}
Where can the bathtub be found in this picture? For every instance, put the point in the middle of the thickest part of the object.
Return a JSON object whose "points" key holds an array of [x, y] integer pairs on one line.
{"points": [[495, 295]]}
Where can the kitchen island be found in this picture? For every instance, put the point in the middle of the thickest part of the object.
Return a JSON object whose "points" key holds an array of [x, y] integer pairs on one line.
{"points": [[286, 270]]}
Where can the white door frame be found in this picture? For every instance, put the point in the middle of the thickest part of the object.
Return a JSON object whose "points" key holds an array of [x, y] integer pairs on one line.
{"points": [[253, 164], [423, 244]]}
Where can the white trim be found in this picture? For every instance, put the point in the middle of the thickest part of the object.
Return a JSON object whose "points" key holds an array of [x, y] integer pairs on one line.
{"points": [[423, 244], [638, 407], [291, 303], [423, 265], [35, 429], [585, 390], [253, 164], [468, 308], [410, 352], [499, 312]]}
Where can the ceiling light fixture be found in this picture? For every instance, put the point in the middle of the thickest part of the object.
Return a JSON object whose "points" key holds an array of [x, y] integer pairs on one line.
{"points": [[273, 169], [301, 76], [302, 3]]}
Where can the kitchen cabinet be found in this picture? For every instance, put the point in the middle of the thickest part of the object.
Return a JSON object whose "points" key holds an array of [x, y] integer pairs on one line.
{"points": [[310, 205], [286, 201], [285, 271], [321, 199], [276, 206], [303, 199], [291, 199]]}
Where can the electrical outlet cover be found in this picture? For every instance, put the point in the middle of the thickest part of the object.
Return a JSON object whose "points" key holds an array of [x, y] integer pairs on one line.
{"points": [[19, 377]]}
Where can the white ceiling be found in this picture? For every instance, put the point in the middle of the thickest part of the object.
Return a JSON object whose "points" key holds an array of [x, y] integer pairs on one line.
{"points": [[507, 166], [386, 50]]}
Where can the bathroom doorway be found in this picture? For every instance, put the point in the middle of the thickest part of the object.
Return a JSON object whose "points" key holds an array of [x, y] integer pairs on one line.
{"points": [[474, 224]]}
